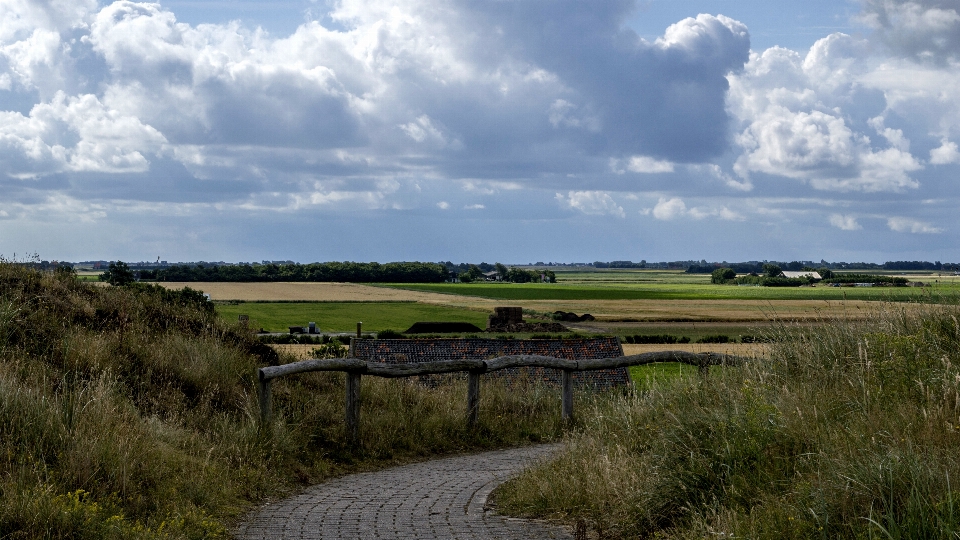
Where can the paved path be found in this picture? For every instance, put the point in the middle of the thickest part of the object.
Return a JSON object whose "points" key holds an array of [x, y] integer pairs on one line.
{"points": [[437, 499]]}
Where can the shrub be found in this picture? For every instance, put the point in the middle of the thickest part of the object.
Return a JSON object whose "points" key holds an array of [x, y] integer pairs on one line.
{"points": [[722, 275], [719, 338]]}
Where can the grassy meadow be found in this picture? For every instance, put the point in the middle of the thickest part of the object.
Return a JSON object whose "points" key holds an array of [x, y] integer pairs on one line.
{"points": [[638, 290], [343, 316], [847, 430], [135, 415], [131, 412]]}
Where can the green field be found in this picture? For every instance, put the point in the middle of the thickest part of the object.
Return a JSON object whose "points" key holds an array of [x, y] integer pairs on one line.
{"points": [[343, 316], [670, 291]]}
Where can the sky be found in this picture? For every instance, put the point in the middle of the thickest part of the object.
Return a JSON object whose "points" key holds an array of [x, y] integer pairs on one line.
{"points": [[505, 130]]}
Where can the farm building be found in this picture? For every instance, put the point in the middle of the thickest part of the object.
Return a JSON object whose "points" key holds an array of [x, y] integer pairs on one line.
{"points": [[401, 351], [812, 275]]}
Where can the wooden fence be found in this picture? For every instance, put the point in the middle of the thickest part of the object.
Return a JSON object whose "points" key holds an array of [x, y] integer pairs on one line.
{"points": [[355, 368]]}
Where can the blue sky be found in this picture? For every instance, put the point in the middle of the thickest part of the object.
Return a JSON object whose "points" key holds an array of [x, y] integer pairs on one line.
{"points": [[516, 131]]}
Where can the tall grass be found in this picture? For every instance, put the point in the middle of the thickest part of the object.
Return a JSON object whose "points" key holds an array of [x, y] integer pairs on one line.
{"points": [[132, 413], [849, 430]]}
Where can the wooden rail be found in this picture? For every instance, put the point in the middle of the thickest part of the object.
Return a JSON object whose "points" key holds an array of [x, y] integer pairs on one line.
{"points": [[355, 368]]}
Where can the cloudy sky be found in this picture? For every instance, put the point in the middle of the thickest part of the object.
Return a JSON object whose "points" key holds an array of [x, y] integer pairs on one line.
{"points": [[508, 130]]}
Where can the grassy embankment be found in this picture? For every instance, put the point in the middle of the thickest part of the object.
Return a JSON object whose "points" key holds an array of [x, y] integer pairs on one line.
{"points": [[131, 413], [852, 430]]}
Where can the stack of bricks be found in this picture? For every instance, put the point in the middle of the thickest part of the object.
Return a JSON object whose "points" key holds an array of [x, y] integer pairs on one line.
{"points": [[401, 351]]}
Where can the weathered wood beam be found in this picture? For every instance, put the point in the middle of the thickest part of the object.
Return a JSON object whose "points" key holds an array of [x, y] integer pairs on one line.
{"points": [[566, 406], [473, 398], [352, 406]]}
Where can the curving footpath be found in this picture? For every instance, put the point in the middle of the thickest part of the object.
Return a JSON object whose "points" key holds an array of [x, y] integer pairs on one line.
{"points": [[438, 499]]}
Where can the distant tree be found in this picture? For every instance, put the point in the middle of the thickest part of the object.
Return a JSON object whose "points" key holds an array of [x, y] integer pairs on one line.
{"points": [[722, 275], [825, 273], [118, 273], [771, 270], [501, 271], [472, 274]]}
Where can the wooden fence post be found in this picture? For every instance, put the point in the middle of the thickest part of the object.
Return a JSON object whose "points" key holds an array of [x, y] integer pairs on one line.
{"points": [[473, 398], [567, 401], [265, 401], [353, 408], [352, 399]]}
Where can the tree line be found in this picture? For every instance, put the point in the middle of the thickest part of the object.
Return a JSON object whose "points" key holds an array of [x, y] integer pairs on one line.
{"points": [[353, 272]]}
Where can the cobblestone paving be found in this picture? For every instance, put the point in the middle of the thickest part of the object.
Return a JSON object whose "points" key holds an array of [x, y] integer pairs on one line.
{"points": [[438, 499]]}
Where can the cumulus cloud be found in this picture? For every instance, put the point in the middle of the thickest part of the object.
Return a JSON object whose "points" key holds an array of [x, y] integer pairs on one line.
{"points": [[903, 224], [674, 207], [75, 134], [645, 164], [591, 203], [927, 30], [476, 90], [667, 209], [846, 223], [945, 154], [381, 106], [796, 125]]}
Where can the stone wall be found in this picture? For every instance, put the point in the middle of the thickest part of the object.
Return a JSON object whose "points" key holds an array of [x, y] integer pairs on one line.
{"points": [[401, 351]]}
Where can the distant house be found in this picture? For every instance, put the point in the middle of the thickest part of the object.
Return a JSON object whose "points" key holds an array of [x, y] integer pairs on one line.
{"points": [[492, 275], [812, 275]]}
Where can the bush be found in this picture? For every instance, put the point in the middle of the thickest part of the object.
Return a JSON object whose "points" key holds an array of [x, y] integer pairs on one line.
{"points": [[719, 338], [390, 334], [722, 275]]}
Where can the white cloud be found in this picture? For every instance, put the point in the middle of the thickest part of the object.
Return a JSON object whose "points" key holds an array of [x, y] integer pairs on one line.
{"points": [[795, 125], [474, 207], [926, 30], [443, 205], [591, 203], [75, 134], [674, 207], [667, 209], [945, 154], [649, 165], [846, 223], [903, 224]]}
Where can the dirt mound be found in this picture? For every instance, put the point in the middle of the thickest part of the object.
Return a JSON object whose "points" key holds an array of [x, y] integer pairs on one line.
{"points": [[567, 316], [441, 328]]}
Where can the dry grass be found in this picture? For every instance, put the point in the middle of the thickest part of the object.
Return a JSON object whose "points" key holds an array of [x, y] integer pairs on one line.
{"points": [[302, 352], [307, 292], [131, 413], [736, 349], [849, 430]]}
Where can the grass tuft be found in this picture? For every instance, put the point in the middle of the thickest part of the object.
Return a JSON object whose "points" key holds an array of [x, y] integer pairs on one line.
{"points": [[131, 412], [850, 430]]}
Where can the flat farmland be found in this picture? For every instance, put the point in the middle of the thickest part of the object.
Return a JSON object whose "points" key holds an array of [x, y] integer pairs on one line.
{"points": [[624, 302], [344, 316], [670, 291]]}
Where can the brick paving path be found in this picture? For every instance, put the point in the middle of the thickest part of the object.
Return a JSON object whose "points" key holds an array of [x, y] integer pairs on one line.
{"points": [[438, 499]]}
